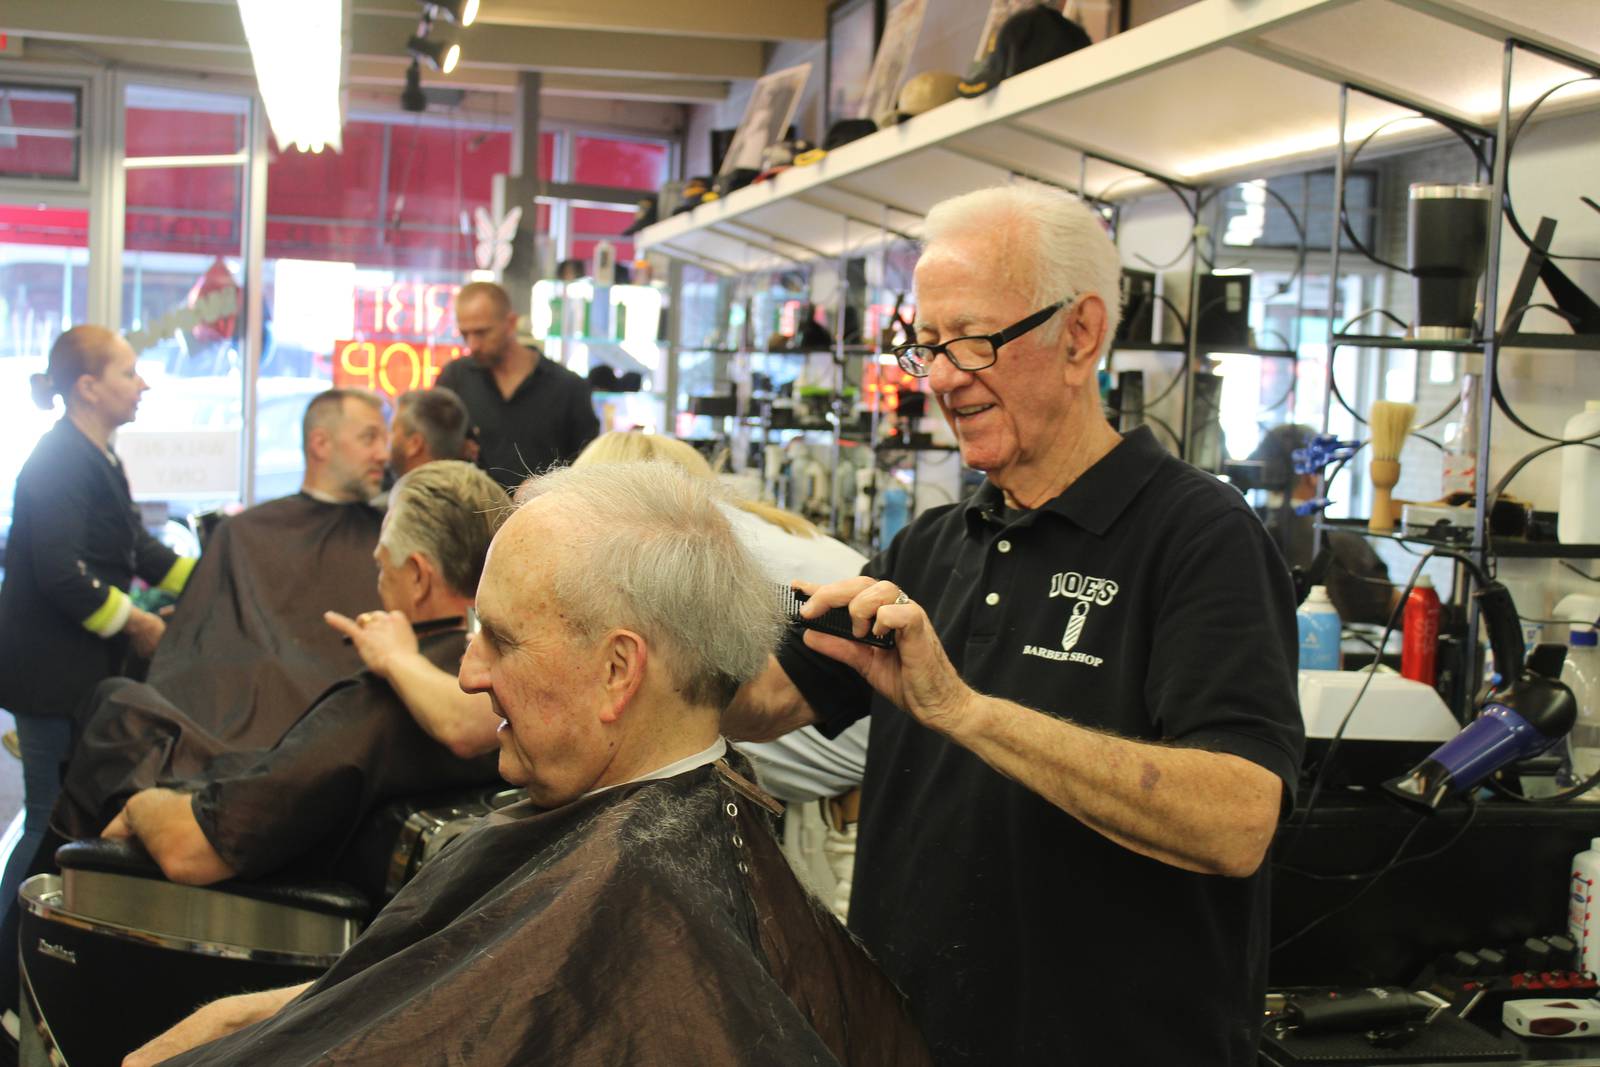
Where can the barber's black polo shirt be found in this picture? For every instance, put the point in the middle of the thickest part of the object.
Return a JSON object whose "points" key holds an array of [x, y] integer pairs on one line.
{"points": [[547, 421], [1147, 601]]}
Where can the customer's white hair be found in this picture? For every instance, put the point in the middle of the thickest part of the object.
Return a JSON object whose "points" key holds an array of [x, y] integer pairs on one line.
{"points": [[1051, 244], [650, 551]]}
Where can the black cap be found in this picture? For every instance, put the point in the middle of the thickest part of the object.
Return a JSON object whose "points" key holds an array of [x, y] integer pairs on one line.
{"points": [[1027, 39], [846, 130], [644, 214], [737, 178]]}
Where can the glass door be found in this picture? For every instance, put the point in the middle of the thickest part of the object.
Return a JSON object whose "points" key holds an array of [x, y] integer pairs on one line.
{"points": [[185, 170]]}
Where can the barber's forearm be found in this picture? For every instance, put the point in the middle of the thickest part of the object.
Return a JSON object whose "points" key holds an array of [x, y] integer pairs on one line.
{"points": [[1209, 812], [766, 707], [163, 820], [465, 723]]}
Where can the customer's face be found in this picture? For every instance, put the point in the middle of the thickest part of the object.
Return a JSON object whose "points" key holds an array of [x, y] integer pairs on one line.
{"points": [[403, 455], [358, 450], [487, 332], [397, 587], [1011, 413], [543, 680]]}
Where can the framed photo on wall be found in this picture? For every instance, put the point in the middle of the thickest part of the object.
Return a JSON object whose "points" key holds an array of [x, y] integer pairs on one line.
{"points": [[772, 105], [899, 41]]}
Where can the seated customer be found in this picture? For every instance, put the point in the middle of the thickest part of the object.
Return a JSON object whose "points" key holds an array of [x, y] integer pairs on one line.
{"points": [[400, 728], [247, 649], [801, 768], [428, 424], [635, 908]]}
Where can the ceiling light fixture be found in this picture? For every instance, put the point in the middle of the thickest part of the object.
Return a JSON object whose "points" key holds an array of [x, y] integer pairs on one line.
{"points": [[461, 12], [412, 98], [442, 56], [298, 49]]}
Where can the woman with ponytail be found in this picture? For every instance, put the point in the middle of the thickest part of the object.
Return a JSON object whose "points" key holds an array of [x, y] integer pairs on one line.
{"points": [[76, 544]]}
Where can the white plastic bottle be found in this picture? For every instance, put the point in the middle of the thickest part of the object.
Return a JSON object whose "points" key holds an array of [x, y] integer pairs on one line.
{"points": [[1581, 917], [1581, 672], [1579, 522], [1320, 631]]}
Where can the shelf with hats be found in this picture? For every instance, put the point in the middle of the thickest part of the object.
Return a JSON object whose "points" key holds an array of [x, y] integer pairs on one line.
{"points": [[1211, 91]]}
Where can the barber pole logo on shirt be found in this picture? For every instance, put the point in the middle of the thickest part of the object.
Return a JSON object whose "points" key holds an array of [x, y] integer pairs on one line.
{"points": [[1085, 591]]}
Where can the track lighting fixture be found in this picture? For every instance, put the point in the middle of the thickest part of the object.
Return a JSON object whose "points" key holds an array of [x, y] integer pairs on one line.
{"points": [[461, 12], [412, 98], [442, 56]]}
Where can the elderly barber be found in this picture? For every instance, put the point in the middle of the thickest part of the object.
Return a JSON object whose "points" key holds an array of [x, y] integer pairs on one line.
{"points": [[1084, 735]]}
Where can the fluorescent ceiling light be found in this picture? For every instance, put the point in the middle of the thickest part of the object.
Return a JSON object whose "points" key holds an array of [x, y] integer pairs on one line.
{"points": [[298, 49], [1311, 141]]}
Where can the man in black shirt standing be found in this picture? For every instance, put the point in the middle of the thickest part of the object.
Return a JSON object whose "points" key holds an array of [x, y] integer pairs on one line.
{"points": [[531, 413], [1084, 734]]}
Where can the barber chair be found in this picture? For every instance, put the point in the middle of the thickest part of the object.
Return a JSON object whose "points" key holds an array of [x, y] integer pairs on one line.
{"points": [[113, 953], [399, 838]]}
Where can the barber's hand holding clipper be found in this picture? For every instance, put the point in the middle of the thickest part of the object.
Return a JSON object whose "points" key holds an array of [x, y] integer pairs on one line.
{"points": [[915, 675]]}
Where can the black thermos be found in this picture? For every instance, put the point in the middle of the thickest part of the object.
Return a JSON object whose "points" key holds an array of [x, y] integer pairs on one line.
{"points": [[1448, 244]]}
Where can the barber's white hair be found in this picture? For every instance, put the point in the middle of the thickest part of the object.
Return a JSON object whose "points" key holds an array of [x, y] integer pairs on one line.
{"points": [[1048, 241], [446, 511], [652, 552]]}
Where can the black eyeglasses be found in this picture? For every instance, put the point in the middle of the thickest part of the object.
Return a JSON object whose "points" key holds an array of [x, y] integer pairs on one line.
{"points": [[969, 353]]}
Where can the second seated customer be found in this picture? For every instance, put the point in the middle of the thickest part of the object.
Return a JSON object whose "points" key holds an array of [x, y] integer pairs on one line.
{"points": [[247, 649], [401, 728]]}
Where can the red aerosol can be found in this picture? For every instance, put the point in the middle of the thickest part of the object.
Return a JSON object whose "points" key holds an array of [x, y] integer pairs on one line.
{"points": [[1419, 650]]}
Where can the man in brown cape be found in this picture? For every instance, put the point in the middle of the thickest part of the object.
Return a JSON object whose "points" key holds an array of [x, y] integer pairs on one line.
{"points": [[634, 909]]}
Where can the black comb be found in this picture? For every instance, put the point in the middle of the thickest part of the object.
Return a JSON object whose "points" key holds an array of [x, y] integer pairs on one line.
{"points": [[834, 621]]}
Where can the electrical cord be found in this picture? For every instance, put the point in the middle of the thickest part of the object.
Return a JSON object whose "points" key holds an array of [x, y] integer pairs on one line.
{"points": [[1321, 777], [1373, 877], [1395, 862], [1579, 571]]}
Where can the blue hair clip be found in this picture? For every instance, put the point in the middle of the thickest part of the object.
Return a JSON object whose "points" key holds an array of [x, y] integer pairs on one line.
{"points": [[1321, 450]]}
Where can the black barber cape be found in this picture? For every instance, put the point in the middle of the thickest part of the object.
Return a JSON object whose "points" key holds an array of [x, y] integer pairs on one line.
{"points": [[651, 923], [247, 650], [292, 806]]}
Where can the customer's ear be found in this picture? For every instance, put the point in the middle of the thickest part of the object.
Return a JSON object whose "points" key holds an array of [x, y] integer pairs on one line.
{"points": [[624, 659]]}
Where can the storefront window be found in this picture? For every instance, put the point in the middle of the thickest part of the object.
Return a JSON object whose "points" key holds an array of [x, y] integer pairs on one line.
{"points": [[620, 163], [593, 224], [44, 259], [41, 132]]}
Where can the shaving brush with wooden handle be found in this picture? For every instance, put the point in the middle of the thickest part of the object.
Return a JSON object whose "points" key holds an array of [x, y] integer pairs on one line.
{"points": [[1390, 422]]}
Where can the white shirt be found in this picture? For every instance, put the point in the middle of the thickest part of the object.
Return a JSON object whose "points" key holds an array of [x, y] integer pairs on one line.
{"points": [[710, 754]]}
